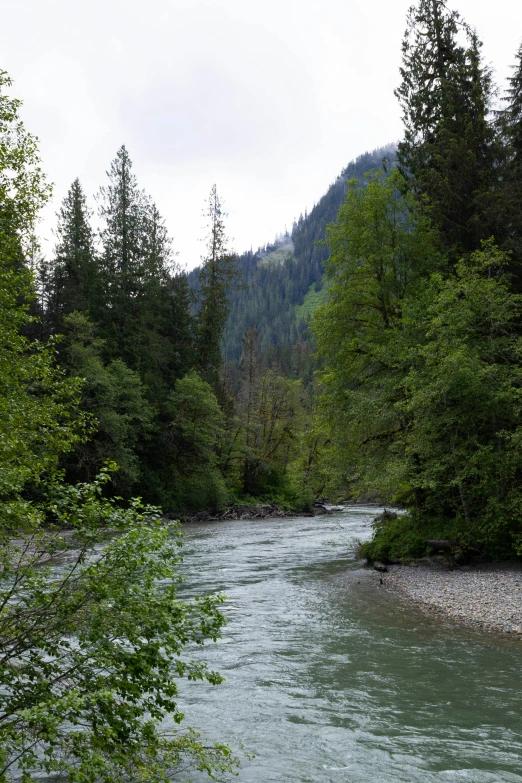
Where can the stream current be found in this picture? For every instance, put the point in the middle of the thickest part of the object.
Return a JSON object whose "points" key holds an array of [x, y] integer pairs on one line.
{"points": [[330, 678]]}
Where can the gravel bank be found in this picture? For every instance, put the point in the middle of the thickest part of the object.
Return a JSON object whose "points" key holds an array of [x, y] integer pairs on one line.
{"points": [[487, 596]]}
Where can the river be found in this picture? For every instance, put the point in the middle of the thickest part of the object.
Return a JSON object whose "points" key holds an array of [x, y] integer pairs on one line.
{"points": [[329, 678]]}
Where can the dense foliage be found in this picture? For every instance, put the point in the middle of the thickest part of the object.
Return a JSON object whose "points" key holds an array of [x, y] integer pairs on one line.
{"points": [[420, 334], [92, 630], [124, 314], [449, 152]]}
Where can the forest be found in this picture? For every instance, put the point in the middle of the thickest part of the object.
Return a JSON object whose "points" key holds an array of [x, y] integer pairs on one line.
{"points": [[373, 352]]}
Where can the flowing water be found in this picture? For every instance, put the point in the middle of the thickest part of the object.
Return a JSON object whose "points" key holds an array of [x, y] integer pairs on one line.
{"points": [[330, 678]]}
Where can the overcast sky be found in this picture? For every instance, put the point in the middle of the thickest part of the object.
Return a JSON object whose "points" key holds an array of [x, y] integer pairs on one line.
{"points": [[269, 99]]}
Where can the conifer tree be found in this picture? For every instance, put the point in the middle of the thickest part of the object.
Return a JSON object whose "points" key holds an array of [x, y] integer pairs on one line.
{"points": [[145, 318], [167, 301], [514, 112], [217, 273], [159, 259], [122, 208], [511, 128], [449, 150], [75, 279]]}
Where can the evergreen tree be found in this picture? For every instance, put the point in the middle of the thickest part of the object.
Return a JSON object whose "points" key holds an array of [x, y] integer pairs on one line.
{"points": [[42, 324], [145, 316], [75, 278], [159, 256], [124, 239], [218, 271], [165, 325], [122, 207], [450, 149], [514, 114], [511, 129]]}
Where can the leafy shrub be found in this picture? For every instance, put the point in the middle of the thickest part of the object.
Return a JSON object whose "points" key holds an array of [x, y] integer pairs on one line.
{"points": [[396, 537]]}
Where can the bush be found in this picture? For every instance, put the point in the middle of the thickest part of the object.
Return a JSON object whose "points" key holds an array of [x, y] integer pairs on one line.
{"points": [[404, 537], [202, 489], [92, 651], [396, 537]]}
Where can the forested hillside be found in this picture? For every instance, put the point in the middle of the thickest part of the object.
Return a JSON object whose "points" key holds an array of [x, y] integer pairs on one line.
{"points": [[273, 282]]}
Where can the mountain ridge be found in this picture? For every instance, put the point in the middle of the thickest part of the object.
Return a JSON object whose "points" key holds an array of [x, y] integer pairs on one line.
{"points": [[277, 283]]}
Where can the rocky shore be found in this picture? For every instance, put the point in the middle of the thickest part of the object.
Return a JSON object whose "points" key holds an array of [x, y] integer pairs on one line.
{"points": [[486, 596], [258, 511]]}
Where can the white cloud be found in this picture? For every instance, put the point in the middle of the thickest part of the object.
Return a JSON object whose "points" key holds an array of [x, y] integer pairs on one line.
{"points": [[270, 100]]}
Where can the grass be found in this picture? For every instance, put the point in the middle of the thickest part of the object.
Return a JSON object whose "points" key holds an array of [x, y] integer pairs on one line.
{"points": [[313, 299], [278, 257]]}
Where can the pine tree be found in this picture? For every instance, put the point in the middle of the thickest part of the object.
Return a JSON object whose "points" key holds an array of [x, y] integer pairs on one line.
{"points": [[449, 150], [122, 208], [145, 318], [514, 112], [159, 257], [75, 277], [218, 271], [511, 129]]}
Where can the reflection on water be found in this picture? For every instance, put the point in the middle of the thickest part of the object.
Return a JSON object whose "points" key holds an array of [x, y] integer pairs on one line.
{"points": [[330, 678]]}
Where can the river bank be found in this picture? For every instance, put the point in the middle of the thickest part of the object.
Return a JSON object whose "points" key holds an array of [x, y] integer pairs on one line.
{"points": [[238, 513], [487, 596]]}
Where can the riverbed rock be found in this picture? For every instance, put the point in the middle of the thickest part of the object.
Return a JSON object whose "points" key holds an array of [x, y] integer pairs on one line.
{"points": [[487, 596], [380, 567]]}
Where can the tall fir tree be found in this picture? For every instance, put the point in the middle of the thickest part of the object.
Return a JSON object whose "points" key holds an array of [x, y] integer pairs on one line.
{"points": [[145, 317], [166, 324], [514, 113], [449, 152], [123, 236], [75, 284], [217, 273], [510, 122]]}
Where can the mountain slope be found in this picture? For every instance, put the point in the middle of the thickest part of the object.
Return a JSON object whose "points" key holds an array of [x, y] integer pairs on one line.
{"points": [[279, 284]]}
